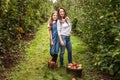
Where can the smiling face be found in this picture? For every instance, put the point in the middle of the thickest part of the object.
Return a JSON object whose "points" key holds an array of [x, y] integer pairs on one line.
{"points": [[62, 13], [55, 16]]}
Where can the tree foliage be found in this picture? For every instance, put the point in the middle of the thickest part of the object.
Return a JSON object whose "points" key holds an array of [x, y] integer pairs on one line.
{"points": [[19, 17], [98, 24]]}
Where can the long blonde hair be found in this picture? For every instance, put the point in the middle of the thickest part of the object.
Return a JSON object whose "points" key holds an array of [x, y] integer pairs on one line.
{"points": [[51, 19]]}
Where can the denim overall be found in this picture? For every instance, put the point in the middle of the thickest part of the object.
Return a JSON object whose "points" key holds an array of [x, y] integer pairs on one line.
{"points": [[54, 49]]}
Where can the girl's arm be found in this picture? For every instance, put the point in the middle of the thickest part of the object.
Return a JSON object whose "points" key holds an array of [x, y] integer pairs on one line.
{"points": [[59, 30], [50, 34]]}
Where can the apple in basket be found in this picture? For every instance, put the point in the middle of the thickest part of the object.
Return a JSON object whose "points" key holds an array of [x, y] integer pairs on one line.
{"points": [[79, 66], [75, 66]]}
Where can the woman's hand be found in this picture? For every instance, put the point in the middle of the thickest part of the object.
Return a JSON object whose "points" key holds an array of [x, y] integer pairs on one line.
{"points": [[63, 20], [66, 19], [62, 43]]}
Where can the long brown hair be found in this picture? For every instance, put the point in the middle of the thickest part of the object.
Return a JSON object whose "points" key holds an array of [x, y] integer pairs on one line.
{"points": [[51, 19], [59, 17]]}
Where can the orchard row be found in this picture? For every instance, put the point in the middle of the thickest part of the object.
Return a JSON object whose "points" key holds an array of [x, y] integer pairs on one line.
{"points": [[97, 22]]}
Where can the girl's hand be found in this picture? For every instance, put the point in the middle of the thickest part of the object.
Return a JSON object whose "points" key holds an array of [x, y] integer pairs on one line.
{"points": [[52, 43], [62, 43]]}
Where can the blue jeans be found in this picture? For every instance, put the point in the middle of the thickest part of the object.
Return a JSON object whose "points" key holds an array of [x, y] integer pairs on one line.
{"points": [[68, 46]]}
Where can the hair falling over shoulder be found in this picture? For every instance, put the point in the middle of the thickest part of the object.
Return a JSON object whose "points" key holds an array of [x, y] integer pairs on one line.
{"points": [[59, 14], [51, 19]]}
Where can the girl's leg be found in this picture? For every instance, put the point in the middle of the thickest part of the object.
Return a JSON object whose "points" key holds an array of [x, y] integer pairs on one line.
{"points": [[56, 49], [69, 49], [52, 51], [54, 57]]}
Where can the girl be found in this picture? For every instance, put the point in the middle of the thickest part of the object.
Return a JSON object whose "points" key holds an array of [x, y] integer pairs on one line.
{"points": [[64, 29], [54, 40]]}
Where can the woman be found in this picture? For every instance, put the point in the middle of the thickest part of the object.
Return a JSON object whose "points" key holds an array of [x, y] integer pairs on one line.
{"points": [[54, 40], [64, 29]]}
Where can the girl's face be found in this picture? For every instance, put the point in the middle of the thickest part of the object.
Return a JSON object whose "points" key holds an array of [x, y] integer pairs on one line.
{"points": [[62, 12], [55, 16]]}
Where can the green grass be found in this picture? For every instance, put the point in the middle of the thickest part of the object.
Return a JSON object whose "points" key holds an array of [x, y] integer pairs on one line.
{"points": [[34, 66]]}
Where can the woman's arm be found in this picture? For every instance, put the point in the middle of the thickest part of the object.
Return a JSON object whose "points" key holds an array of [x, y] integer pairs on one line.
{"points": [[59, 30], [69, 22]]}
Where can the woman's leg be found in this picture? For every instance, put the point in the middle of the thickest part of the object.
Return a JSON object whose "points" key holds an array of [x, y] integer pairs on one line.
{"points": [[62, 51], [69, 49]]}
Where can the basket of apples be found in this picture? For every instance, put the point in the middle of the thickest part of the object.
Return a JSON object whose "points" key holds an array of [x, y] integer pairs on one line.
{"points": [[75, 69], [51, 64]]}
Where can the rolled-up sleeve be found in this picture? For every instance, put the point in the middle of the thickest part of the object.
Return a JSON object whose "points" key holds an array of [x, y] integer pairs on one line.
{"points": [[58, 27]]}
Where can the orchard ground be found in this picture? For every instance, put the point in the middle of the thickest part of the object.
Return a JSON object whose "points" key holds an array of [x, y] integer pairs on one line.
{"points": [[32, 64]]}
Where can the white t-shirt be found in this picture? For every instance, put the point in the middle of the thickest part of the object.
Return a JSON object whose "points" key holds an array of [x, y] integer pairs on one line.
{"points": [[64, 28], [49, 24]]}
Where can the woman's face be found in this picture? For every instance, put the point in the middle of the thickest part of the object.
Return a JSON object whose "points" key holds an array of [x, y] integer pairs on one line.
{"points": [[62, 12], [55, 16]]}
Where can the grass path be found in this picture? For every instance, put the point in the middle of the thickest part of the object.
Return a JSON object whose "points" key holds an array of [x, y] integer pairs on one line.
{"points": [[34, 67]]}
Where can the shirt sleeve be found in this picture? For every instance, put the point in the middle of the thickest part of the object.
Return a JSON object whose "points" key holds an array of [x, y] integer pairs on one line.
{"points": [[59, 27], [48, 25], [69, 23]]}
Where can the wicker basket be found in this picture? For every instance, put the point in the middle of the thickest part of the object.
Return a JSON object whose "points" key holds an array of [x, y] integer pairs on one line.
{"points": [[52, 65], [76, 72]]}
